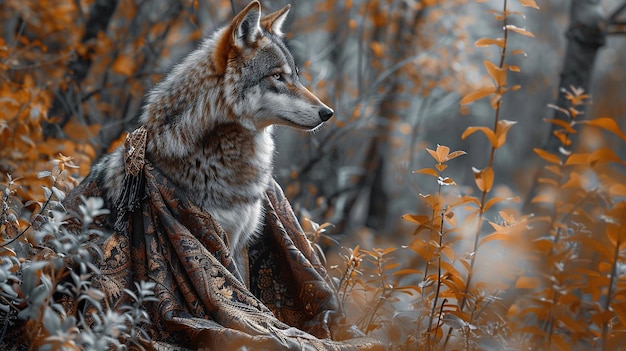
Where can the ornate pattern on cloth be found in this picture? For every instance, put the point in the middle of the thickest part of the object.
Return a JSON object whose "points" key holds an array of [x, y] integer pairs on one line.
{"points": [[134, 163], [202, 303]]}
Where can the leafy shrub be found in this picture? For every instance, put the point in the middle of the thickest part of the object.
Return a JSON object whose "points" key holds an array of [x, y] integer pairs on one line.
{"points": [[45, 273]]}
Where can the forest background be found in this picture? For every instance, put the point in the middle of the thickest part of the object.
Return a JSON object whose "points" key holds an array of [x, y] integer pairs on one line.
{"points": [[518, 243]]}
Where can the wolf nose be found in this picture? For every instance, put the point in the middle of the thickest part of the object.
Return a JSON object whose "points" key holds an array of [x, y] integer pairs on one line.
{"points": [[326, 113]]}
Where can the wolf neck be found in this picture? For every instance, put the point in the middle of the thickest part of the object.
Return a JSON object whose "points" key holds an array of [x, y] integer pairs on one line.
{"points": [[229, 168]]}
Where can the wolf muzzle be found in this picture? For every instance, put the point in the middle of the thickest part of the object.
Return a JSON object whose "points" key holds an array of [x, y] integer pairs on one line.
{"points": [[326, 113]]}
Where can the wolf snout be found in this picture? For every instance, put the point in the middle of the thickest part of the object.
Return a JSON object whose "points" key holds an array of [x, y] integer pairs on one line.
{"points": [[325, 113]]}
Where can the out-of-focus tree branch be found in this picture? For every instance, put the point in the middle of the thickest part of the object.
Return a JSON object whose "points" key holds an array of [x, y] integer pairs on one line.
{"points": [[66, 100]]}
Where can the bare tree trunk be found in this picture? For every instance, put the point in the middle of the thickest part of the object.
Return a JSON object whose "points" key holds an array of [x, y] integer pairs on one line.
{"points": [[585, 35], [389, 112]]}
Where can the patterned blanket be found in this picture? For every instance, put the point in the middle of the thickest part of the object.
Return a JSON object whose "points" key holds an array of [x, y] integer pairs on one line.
{"points": [[202, 304]]}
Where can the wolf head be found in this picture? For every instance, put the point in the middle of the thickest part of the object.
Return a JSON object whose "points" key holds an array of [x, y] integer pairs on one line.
{"points": [[262, 72], [242, 74]]}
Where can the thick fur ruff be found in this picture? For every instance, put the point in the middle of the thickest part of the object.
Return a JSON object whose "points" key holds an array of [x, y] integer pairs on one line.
{"points": [[209, 122]]}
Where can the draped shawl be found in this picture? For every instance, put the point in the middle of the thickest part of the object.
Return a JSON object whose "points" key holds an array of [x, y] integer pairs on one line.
{"points": [[201, 302]]}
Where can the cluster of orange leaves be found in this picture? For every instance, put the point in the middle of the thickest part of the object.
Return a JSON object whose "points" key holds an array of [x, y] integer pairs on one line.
{"points": [[30, 72]]}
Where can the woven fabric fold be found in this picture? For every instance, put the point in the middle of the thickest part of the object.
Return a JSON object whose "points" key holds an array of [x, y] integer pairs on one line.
{"points": [[201, 300]]}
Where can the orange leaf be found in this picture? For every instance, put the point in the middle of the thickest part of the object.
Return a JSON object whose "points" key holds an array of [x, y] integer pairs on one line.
{"points": [[497, 199], [492, 237], [416, 218], [616, 235], [377, 48], [543, 198], [428, 171], [552, 182], [442, 153], [618, 190], [448, 252], [563, 137], [519, 30], [483, 42], [560, 342], [422, 248], [606, 123], [603, 155], [5, 251], [620, 311], [561, 123], [577, 159], [498, 74], [576, 96], [513, 68], [123, 65], [477, 95], [529, 3], [488, 133], [456, 154], [574, 112], [435, 155], [463, 200], [574, 181], [483, 178], [615, 229], [433, 201], [449, 268], [562, 110], [543, 245], [441, 167], [525, 282], [501, 130], [552, 158]]}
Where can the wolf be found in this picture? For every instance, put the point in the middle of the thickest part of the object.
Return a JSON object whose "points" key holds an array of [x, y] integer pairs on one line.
{"points": [[209, 122], [194, 210]]}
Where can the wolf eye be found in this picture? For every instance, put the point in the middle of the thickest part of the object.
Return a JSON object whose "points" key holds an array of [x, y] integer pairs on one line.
{"points": [[278, 76]]}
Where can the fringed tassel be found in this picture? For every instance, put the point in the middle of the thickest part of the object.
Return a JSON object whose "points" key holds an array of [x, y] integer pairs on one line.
{"points": [[134, 180], [130, 199]]}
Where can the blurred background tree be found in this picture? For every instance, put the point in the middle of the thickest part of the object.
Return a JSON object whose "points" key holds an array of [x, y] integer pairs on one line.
{"points": [[74, 73]]}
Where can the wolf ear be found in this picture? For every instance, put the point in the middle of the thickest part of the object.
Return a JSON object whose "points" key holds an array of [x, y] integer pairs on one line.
{"points": [[274, 21], [247, 25]]}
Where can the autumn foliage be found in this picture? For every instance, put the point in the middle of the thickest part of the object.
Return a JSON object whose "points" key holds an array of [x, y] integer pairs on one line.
{"points": [[479, 263]]}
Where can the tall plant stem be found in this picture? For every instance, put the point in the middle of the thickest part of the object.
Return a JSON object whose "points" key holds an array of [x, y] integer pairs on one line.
{"points": [[491, 157], [470, 273]]}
